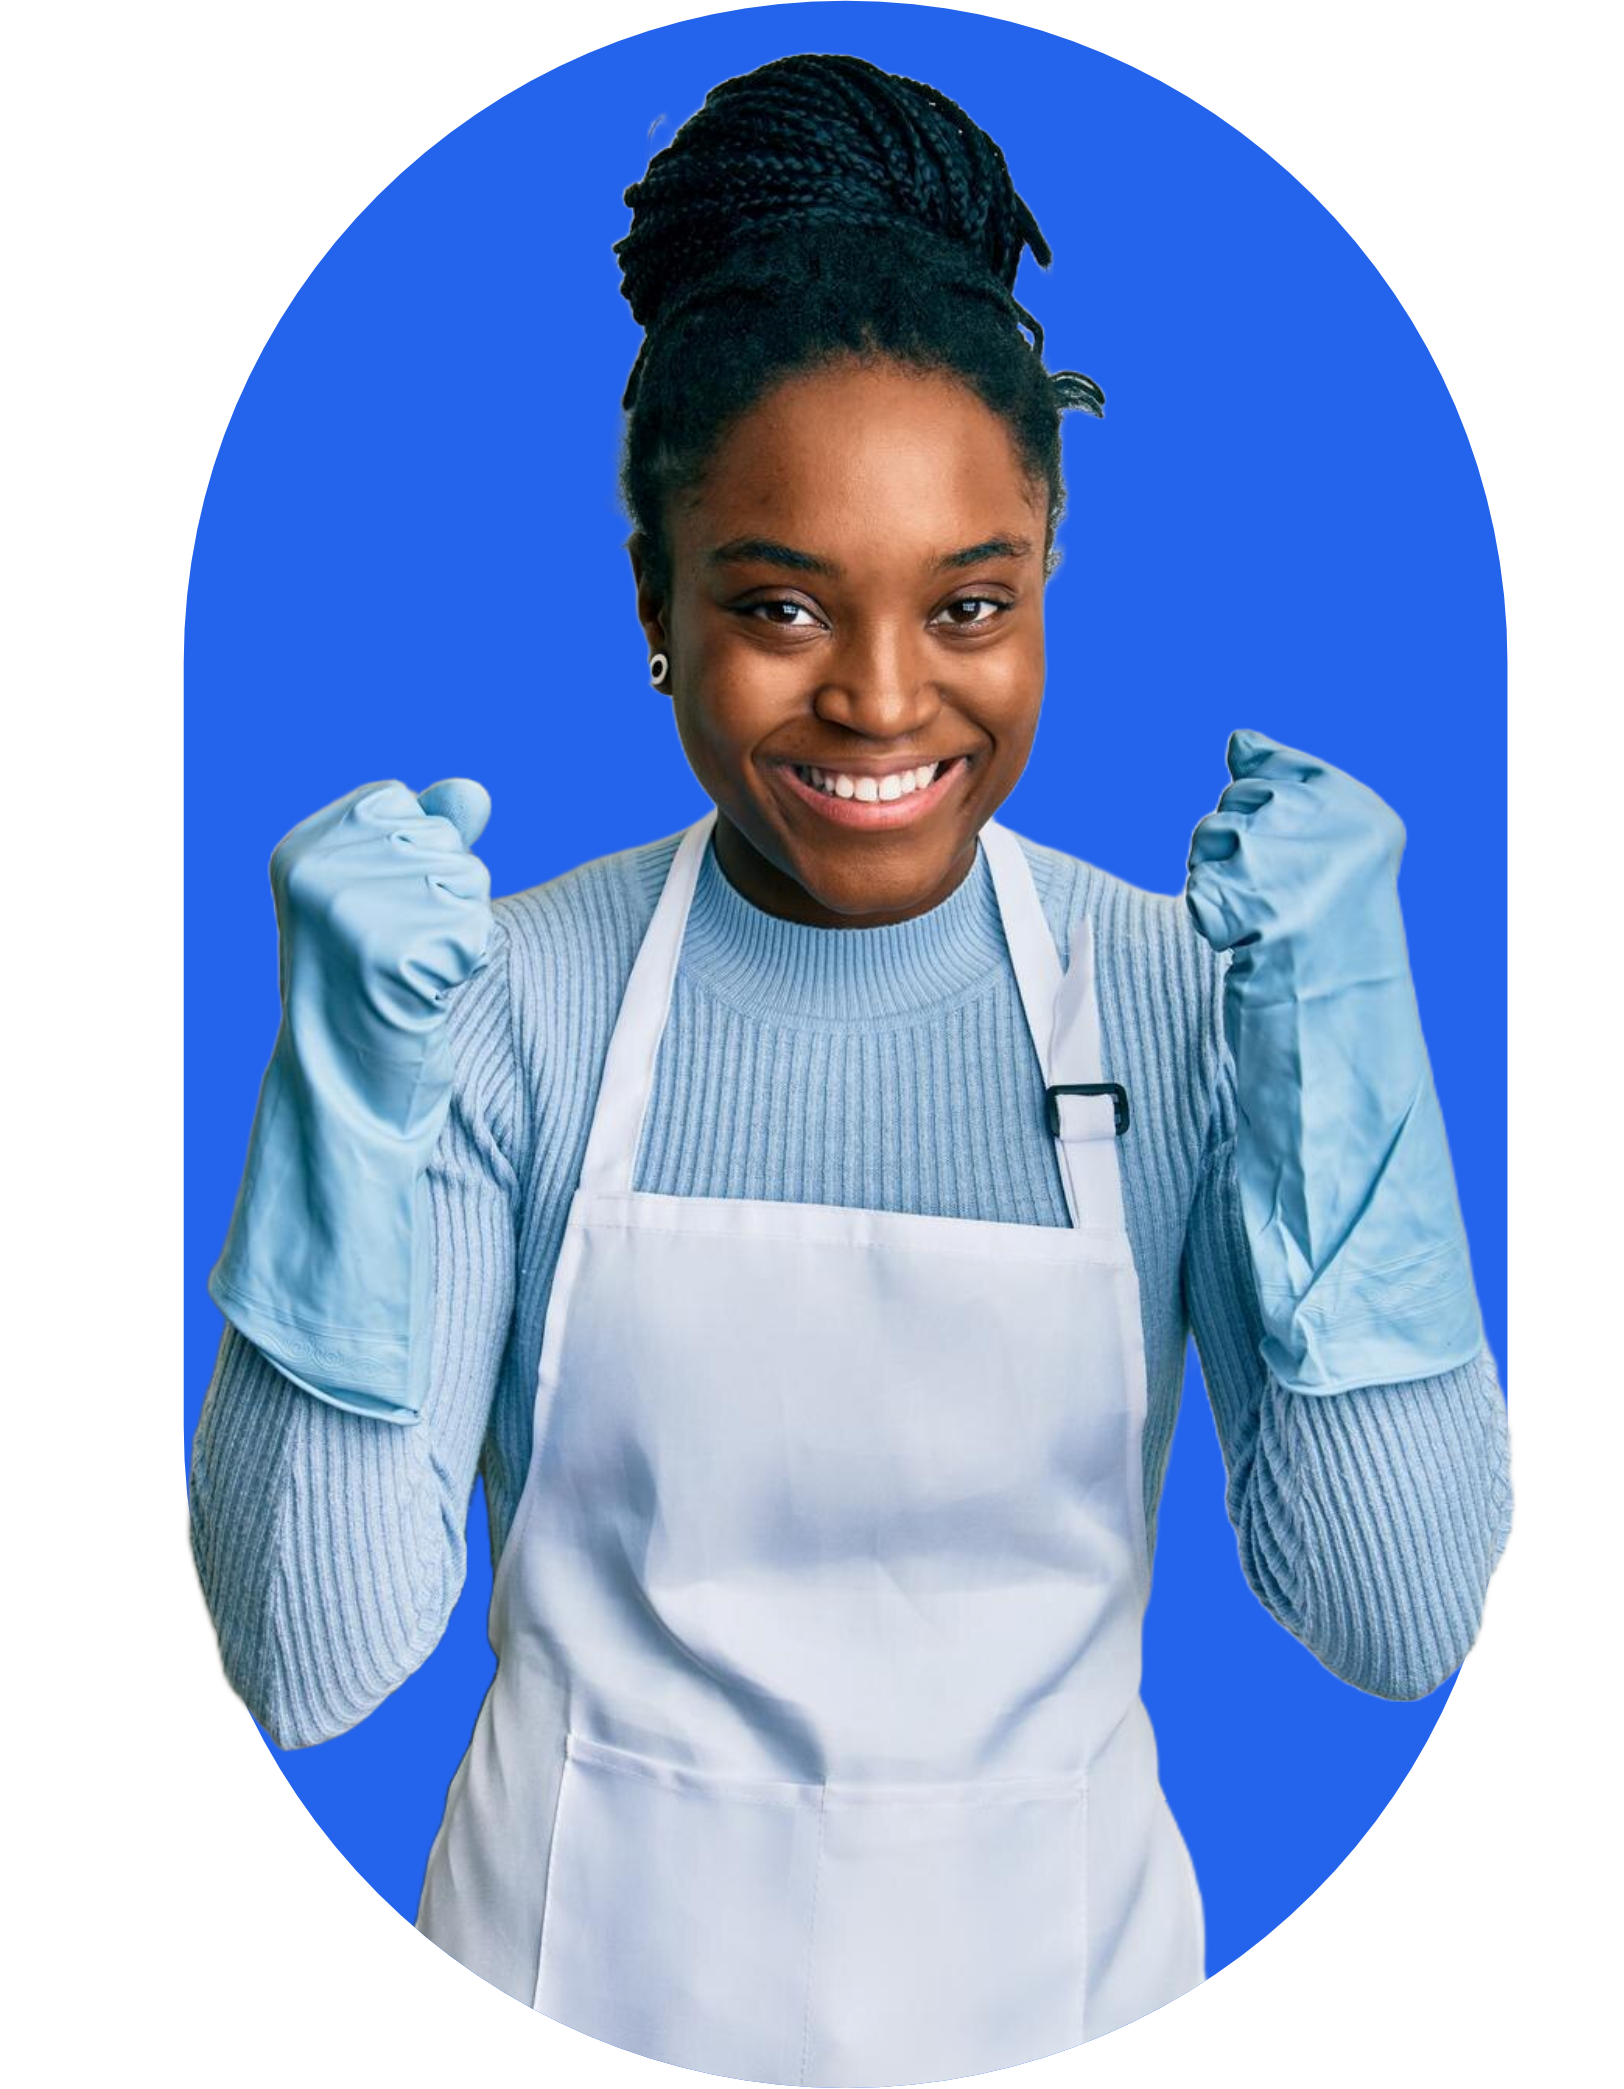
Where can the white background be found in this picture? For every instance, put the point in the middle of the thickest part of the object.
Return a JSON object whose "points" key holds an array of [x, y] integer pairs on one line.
{"points": [[173, 173]]}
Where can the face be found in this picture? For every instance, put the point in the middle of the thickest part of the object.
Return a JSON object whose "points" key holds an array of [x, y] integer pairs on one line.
{"points": [[855, 629]]}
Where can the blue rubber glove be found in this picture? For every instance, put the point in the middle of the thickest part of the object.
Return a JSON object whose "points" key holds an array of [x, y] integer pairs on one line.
{"points": [[1355, 1230], [382, 913]]}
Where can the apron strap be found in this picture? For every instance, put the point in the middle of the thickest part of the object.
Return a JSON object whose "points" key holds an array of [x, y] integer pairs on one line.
{"points": [[1062, 1013], [628, 1070]]}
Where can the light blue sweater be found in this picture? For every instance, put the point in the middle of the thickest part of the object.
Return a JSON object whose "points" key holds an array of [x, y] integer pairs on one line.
{"points": [[888, 1068]]}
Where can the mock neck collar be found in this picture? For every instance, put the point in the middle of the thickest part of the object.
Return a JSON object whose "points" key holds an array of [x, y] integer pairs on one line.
{"points": [[768, 966]]}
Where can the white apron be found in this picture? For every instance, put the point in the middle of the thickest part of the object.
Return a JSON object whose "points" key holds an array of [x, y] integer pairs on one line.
{"points": [[815, 1751]]}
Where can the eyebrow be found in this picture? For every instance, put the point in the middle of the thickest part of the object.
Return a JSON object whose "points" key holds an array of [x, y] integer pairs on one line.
{"points": [[764, 551]]}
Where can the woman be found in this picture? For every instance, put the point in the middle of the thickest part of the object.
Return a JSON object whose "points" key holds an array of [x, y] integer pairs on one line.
{"points": [[800, 1221]]}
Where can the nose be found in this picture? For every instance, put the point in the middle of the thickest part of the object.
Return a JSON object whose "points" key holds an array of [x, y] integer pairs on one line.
{"points": [[878, 686]]}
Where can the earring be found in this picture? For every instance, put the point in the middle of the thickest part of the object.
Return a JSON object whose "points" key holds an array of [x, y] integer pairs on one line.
{"points": [[658, 668]]}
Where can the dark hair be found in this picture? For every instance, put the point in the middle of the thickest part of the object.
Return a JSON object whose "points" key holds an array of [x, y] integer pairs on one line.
{"points": [[819, 209]]}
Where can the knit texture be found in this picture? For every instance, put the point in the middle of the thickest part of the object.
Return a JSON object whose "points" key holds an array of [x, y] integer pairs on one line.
{"points": [[884, 1068]]}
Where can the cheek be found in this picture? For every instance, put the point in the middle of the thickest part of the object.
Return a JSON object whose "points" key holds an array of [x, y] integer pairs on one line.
{"points": [[719, 724], [736, 698], [725, 721], [1011, 695]]}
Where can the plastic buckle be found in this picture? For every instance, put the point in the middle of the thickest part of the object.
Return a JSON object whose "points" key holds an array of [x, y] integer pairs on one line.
{"points": [[1114, 1089]]}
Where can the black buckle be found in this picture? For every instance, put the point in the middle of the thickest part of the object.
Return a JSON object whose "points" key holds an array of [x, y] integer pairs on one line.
{"points": [[1114, 1089]]}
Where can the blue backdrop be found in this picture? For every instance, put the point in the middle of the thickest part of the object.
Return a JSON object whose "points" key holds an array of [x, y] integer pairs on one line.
{"points": [[410, 564]]}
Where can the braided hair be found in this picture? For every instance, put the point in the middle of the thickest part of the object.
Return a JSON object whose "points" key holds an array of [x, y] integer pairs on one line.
{"points": [[820, 209]]}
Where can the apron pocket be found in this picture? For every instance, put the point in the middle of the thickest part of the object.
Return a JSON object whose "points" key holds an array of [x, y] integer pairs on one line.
{"points": [[679, 1912], [792, 1933], [952, 1929]]}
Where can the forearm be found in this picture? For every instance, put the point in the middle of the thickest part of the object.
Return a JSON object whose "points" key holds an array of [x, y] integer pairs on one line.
{"points": [[1368, 1521], [329, 1547]]}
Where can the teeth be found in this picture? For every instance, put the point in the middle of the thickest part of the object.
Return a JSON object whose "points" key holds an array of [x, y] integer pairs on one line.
{"points": [[872, 790]]}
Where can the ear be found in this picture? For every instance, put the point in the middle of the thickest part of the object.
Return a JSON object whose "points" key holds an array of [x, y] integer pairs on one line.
{"points": [[650, 607]]}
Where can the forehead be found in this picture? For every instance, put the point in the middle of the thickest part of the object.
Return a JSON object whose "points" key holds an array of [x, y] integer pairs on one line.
{"points": [[859, 461]]}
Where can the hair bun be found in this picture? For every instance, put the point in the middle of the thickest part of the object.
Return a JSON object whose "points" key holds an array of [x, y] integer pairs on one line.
{"points": [[820, 138], [813, 213]]}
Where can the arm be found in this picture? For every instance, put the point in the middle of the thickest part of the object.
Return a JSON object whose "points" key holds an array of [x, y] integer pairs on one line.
{"points": [[331, 1545], [1368, 1521]]}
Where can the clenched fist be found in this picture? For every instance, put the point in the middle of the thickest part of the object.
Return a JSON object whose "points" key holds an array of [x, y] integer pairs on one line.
{"points": [[1356, 1237], [383, 913]]}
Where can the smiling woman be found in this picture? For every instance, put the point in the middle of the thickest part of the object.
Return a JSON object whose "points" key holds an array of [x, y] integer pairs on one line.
{"points": [[801, 1220], [894, 691]]}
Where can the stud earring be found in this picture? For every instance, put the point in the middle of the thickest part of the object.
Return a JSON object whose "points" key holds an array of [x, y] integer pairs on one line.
{"points": [[658, 668]]}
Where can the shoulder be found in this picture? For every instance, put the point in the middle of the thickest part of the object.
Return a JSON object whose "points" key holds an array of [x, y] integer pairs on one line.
{"points": [[1132, 927], [586, 921], [565, 949]]}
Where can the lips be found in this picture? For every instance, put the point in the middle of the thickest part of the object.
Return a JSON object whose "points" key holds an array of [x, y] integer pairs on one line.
{"points": [[879, 795]]}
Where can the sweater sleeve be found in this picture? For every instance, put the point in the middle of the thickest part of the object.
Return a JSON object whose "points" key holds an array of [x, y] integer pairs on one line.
{"points": [[1368, 1521], [331, 1546]]}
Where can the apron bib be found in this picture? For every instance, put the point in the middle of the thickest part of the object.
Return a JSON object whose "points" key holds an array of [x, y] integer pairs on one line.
{"points": [[815, 1752]]}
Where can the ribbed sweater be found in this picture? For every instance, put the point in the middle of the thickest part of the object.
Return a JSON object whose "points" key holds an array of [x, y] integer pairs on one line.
{"points": [[889, 1068]]}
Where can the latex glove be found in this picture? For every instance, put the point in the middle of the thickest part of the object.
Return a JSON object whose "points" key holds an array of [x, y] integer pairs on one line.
{"points": [[382, 913], [1355, 1230]]}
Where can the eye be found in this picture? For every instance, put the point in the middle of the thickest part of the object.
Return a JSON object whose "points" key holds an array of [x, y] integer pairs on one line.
{"points": [[763, 612], [752, 609], [992, 602]]}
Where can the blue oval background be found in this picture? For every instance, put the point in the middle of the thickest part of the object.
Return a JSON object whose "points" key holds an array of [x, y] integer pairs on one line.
{"points": [[410, 563]]}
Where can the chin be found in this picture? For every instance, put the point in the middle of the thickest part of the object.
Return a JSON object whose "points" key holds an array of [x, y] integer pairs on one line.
{"points": [[878, 876]]}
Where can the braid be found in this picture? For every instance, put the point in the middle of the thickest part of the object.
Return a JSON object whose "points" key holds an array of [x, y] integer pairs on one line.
{"points": [[813, 208]]}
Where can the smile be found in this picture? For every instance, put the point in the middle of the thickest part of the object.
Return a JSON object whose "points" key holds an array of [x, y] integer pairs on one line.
{"points": [[858, 799]]}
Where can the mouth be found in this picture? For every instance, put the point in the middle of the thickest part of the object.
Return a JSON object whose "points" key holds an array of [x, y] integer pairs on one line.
{"points": [[872, 798]]}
